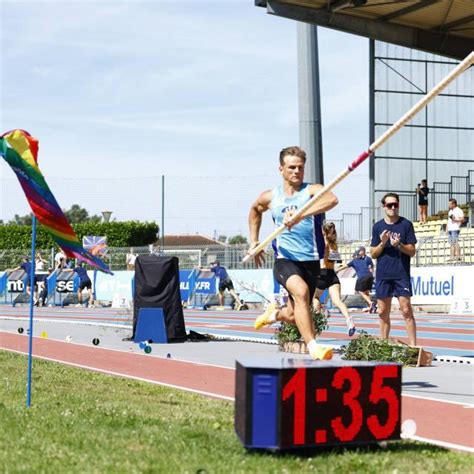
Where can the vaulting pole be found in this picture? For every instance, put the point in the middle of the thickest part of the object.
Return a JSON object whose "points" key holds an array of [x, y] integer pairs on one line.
{"points": [[423, 102]]}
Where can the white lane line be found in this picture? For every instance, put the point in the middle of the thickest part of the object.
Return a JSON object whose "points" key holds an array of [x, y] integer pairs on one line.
{"points": [[119, 374], [441, 400], [123, 351], [443, 444]]}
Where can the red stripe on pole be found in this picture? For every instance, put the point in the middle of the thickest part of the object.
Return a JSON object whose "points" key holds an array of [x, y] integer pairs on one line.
{"points": [[360, 159]]}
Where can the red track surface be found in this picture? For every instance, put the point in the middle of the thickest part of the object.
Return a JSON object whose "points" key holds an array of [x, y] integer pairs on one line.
{"points": [[436, 420]]}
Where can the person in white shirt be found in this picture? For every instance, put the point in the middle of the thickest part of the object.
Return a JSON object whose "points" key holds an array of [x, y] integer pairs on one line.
{"points": [[130, 259], [455, 219], [60, 259], [40, 262]]}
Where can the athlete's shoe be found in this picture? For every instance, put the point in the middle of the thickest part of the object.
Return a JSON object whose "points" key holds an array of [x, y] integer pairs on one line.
{"points": [[266, 318], [321, 353], [352, 331], [219, 308]]}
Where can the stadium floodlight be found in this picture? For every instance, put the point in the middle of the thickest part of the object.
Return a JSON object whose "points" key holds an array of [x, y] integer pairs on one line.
{"points": [[106, 216]]}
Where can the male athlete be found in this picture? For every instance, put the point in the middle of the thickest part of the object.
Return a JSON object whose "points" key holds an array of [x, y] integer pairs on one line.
{"points": [[298, 249]]}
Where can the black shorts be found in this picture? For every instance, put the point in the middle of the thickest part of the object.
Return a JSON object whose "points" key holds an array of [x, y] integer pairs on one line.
{"points": [[226, 285], [85, 284], [364, 283], [308, 271], [390, 288], [327, 277], [35, 282]]}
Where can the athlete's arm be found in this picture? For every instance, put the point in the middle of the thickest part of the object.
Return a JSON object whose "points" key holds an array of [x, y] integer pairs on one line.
{"points": [[325, 203], [261, 205]]}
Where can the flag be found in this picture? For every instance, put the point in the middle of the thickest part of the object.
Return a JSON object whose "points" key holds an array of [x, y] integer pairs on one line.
{"points": [[20, 151], [96, 245]]}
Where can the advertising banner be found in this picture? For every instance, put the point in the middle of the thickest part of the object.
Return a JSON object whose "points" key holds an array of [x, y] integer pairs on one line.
{"points": [[432, 285], [118, 285]]}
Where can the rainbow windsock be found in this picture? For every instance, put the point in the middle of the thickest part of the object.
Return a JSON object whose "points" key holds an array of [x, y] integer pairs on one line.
{"points": [[20, 151]]}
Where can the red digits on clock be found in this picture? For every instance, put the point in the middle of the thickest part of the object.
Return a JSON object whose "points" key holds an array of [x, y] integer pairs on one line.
{"points": [[379, 392], [297, 386], [348, 433]]}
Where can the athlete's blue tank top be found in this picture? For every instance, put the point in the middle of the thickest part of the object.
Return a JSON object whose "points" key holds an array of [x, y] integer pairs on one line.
{"points": [[305, 241]]}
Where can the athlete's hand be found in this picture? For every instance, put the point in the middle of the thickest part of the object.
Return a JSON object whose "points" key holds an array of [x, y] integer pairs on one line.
{"points": [[259, 258], [384, 236], [290, 220]]}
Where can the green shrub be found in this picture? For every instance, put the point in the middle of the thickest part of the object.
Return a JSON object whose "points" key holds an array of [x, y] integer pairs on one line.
{"points": [[367, 347], [290, 333], [119, 234]]}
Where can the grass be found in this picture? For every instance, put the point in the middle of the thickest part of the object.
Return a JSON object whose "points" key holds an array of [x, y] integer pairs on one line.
{"points": [[82, 421]]}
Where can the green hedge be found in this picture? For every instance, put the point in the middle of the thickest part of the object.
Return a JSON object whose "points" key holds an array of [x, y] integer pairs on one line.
{"points": [[119, 234]]}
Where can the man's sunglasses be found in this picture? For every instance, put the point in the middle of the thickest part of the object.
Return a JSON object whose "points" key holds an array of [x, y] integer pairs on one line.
{"points": [[392, 205]]}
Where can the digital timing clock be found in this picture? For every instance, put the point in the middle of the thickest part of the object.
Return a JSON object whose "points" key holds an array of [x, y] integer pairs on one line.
{"points": [[301, 403]]}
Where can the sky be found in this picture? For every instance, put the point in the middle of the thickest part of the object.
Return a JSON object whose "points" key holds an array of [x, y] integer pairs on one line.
{"points": [[204, 93]]}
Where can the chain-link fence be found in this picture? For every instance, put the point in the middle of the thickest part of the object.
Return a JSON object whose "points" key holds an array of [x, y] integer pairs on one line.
{"points": [[430, 251], [212, 206]]}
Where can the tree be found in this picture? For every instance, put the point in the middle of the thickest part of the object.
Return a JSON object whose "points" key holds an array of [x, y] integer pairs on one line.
{"points": [[75, 215], [22, 220], [237, 239], [78, 214], [222, 238]]}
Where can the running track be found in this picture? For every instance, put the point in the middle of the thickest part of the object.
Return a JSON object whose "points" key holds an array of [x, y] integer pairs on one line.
{"points": [[444, 335], [453, 429]]}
